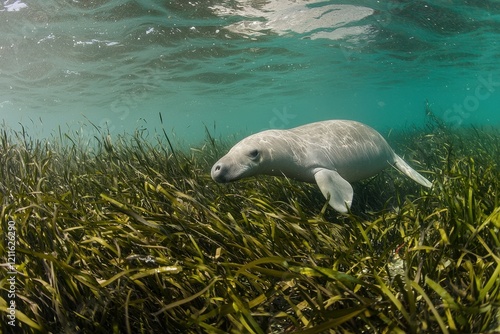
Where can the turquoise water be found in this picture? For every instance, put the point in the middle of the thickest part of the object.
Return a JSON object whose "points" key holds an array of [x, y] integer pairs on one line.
{"points": [[243, 66]]}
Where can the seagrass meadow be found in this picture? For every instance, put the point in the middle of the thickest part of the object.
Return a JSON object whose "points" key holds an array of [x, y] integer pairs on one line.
{"points": [[127, 234]]}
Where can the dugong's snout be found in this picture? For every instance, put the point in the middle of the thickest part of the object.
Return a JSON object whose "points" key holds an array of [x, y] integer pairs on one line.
{"points": [[227, 170], [220, 173]]}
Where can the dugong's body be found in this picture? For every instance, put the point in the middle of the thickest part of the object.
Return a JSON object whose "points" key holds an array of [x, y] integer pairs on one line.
{"points": [[330, 153]]}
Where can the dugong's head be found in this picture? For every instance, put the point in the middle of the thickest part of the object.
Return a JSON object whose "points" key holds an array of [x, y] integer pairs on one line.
{"points": [[256, 154]]}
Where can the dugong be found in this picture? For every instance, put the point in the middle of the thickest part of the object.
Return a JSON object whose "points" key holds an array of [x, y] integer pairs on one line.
{"points": [[331, 153]]}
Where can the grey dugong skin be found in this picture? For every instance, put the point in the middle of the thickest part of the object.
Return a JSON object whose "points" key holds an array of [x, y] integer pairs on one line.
{"points": [[331, 153]]}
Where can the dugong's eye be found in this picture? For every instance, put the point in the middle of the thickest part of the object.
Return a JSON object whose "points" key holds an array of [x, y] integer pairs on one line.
{"points": [[253, 154]]}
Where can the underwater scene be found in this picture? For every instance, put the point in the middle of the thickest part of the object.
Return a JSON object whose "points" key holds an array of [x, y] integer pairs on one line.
{"points": [[162, 168]]}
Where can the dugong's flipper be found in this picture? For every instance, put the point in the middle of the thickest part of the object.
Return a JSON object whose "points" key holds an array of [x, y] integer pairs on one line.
{"points": [[410, 172], [334, 186]]}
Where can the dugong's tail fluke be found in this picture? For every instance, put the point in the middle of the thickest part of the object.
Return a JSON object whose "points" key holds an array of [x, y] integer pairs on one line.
{"points": [[410, 172]]}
